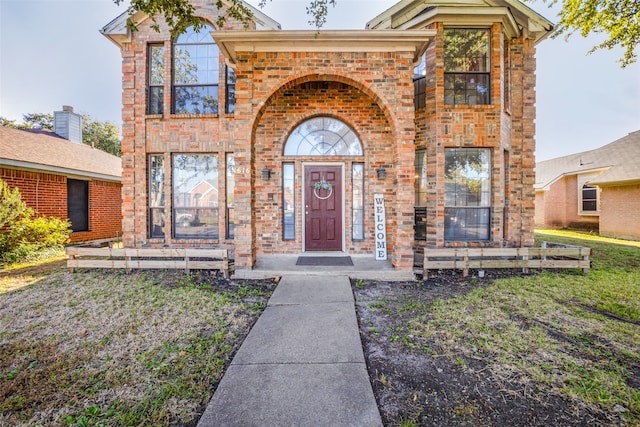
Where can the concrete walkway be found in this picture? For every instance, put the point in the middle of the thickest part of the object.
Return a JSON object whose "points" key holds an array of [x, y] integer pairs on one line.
{"points": [[302, 363]]}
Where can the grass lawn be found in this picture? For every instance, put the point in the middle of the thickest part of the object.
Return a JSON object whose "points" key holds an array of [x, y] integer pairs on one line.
{"points": [[570, 334], [114, 349]]}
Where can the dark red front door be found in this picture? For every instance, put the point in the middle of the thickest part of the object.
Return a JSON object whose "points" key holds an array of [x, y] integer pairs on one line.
{"points": [[323, 208]]}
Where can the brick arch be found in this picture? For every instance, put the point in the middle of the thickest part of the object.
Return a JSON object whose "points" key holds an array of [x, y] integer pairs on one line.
{"points": [[302, 78]]}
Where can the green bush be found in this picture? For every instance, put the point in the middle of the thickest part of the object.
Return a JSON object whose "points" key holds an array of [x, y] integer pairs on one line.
{"points": [[26, 236]]}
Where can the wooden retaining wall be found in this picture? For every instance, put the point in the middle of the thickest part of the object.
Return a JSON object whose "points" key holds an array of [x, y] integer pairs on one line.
{"points": [[129, 258], [550, 255]]}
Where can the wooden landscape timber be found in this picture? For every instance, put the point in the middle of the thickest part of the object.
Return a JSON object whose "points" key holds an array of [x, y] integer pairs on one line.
{"points": [[147, 258], [549, 256]]}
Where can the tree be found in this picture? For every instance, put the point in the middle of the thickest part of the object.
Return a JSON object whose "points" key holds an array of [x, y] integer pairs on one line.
{"points": [[104, 136], [180, 14], [618, 19]]}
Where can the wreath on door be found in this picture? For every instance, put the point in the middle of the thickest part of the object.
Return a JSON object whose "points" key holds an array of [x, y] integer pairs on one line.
{"points": [[322, 185]]}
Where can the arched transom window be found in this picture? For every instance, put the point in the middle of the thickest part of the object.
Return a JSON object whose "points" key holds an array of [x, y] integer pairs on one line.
{"points": [[323, 136]]}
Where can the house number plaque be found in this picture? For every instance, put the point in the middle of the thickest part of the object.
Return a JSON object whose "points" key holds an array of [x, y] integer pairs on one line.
{"points": [[381, 227]]}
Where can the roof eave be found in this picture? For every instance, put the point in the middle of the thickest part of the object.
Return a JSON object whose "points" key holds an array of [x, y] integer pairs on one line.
{"points": [[59, 170], [232, 42]]}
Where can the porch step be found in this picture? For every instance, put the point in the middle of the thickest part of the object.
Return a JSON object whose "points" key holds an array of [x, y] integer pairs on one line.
{"points": [[364, 267]]}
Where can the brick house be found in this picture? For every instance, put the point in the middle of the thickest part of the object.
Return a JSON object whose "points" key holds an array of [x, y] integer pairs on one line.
{"points": [[595, 190], [65, 178], [430, 110]]}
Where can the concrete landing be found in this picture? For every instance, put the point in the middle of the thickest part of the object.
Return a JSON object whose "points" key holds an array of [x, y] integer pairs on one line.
{"points": [[364, 267], [302, 363]]}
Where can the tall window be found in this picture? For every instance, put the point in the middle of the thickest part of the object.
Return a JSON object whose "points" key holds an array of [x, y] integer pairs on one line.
{"points": [[231, 186], [195, 196], [230, 105], [358, 202], [467, 194], [420, 187], [288, 202], [466, 66], [195, 73], [155, 92], [420, 83], [589, 199], [156, 196], [78, 204]]}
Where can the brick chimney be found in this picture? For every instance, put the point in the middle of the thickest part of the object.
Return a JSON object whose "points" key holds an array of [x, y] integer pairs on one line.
{"points": [[68, 124]]}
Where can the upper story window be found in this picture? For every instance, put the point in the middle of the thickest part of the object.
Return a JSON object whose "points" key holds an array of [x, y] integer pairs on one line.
{"points": [[466, 66], [420, 83], [155, 92], [195, 72], [230, 105]]}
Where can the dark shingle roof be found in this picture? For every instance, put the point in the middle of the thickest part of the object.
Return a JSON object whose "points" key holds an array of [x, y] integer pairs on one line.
{"points": [[619, 161], [44, 150]]}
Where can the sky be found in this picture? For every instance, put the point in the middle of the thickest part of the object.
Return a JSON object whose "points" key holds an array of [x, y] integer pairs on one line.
{"points": [[52, 54]]}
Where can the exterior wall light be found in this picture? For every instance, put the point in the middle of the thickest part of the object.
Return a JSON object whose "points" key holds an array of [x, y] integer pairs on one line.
{"points": [[266, 173], [382, 172]]}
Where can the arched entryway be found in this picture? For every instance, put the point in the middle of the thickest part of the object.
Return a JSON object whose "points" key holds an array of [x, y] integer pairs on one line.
{"points": [[318, 147]]}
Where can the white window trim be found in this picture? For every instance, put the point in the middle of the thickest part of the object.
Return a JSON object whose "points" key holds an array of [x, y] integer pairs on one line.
{"points": [[583, 179]]}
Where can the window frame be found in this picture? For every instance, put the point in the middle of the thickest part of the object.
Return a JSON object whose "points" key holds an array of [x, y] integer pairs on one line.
{"points": [[453, 78], [161, 207], [588, 212], [230, 184], [214, 84], [420, 195], [189, 219], [230, 90], [357, 195], [463, 203], [152, 85], [288, 215]]}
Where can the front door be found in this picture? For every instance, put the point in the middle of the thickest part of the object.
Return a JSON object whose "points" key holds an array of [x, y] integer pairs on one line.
{"points": [[323, 208]]}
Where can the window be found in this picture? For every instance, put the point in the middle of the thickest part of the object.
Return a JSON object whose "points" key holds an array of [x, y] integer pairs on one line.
{"points": [[506, 81], [195, 196], [288, 202], [323, 136], [467, 194], [155, 91], [357, 232], [466, 67], [230, 105], [420, 83], [195, 73], [420, 187], [156, 196], [589, 199], [231, 185], [78, 204]]}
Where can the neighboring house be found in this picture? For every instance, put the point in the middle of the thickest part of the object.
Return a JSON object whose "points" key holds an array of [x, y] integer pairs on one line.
{"points": [[432, 107], [63, 178], [597, 190]]}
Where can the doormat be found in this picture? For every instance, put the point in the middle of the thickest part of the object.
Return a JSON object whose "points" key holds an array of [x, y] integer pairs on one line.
{"points": [[325, 261]]}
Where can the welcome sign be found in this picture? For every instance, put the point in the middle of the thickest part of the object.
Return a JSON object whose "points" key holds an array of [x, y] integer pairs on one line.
{"points": [[381, 227]]}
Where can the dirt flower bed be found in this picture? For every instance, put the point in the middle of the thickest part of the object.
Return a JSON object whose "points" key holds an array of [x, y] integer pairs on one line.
{"points": [[453, 351], [108, 348]]}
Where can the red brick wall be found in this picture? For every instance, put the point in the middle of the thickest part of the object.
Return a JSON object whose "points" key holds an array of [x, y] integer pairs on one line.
{"points": [[507, 128], [620, 212], [370, 91], [44, 192], [47, 194]]}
